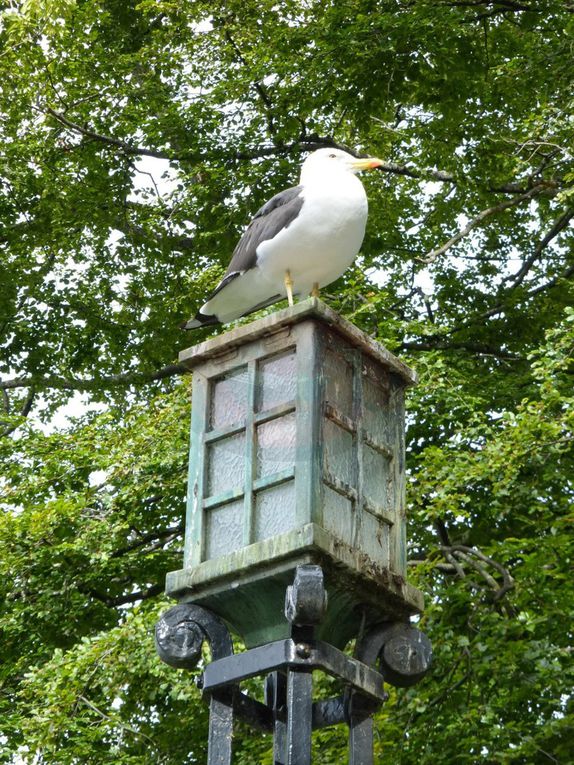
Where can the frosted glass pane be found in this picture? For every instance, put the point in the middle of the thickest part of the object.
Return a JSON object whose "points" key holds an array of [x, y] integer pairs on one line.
{"points": [[339, 383], [277, 382], [274, 510], [276, 445], [229, 399], [377, 478], [337, 515], [377, 417], [225, 464], [374, 538], [223, 529], [338, 452]]}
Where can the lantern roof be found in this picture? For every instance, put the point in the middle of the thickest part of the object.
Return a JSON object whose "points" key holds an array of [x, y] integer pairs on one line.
{"points": [[282, 320]]}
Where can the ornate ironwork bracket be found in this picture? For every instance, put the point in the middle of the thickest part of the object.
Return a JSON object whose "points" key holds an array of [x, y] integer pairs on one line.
{"points": [[395, 653]]}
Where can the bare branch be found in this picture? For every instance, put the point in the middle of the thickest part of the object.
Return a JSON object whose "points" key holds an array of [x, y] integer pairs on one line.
{"points": [[461, 554], [563, 275], [64, 383], [115, 720], [559, 225], [478, 219], [259, 87], [162, 537]]}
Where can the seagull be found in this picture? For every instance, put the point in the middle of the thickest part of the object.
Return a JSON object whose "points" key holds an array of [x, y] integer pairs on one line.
{"points": [[302, 239]]}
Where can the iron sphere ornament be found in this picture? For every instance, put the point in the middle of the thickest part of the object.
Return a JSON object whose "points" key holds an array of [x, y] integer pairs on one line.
{"points": [[406, 656]]}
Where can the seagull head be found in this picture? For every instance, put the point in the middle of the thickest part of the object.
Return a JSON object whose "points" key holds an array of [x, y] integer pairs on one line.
{"points": [[328, 162]]}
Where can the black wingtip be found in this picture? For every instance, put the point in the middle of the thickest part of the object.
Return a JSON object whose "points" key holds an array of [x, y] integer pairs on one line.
{"points": [[200, 320]]}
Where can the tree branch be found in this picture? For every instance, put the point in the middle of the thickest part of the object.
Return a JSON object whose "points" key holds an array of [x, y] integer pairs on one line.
{"points": [[63, 383], [165, 535], [309, 142], [115, 721], [475, 558], [478, 219], [559, 225]]}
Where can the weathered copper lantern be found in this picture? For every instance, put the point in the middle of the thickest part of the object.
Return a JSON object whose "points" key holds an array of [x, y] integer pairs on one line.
{"points": [[297, 461]]}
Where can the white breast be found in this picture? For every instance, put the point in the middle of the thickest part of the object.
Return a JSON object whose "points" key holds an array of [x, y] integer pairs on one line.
{"points": [[322, 242]]}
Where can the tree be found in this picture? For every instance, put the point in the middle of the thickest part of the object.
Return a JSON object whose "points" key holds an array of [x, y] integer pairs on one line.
{"points": [[137, 139]]}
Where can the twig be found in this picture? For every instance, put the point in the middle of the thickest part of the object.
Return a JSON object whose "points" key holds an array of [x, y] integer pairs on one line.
{"points": [[115, 721]]}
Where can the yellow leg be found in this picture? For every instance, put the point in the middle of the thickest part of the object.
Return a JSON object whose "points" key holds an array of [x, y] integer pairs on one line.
{"points": [[315, 290], [289, 287]]}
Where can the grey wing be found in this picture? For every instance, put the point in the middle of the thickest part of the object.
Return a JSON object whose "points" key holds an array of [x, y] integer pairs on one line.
{"points": [[269, 220]]}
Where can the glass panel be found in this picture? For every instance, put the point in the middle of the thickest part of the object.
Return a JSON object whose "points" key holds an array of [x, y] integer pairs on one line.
{"points": [[377, 417], [276, 445], [339, 383], [338, 452], [337, 514], [223, 529], [377, 478], [225, 464], [229, 399], [374, 538], [274, 510], [277, 381]]}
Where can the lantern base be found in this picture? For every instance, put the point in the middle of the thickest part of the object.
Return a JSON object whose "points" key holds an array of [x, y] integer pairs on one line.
{"points": [[247, 587], [396, 653]]}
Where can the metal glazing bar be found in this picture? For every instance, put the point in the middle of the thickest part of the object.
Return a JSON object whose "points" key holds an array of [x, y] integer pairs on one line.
{"points": [[339, 486], [217, 435], [339, 418], [274, 479], [276, 411], [378, 446]]}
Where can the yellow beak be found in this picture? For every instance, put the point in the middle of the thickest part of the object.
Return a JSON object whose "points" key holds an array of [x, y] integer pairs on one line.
{"points": [[366, 163]]}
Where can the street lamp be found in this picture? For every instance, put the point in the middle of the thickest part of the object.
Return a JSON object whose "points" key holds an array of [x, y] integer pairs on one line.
{"points": [[297, 484]]}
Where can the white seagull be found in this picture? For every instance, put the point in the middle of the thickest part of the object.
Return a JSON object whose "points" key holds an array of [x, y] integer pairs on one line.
{"points": [[302, 239]]}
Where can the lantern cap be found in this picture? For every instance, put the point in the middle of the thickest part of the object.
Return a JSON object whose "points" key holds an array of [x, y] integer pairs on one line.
{"points": [[282, 320]]}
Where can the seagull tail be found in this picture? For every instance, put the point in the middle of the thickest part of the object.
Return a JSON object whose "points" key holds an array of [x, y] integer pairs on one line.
{"points": [[200, 320]]}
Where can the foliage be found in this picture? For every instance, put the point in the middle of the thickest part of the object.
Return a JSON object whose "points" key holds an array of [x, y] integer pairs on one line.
{"points": [[136, 140]]}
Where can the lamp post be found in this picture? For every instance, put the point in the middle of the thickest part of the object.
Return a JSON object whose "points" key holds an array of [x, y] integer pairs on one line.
{"points": [[296, 489]]}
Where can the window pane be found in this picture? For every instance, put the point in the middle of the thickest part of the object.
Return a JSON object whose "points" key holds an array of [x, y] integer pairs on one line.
{"points": [[223, 529], [339, 383], [225, 464], [377, 478], [229, 399], [274, 510], [337, 515], [374, 538], [338, 452], [277, 381], [276, 445], [377, 418]]}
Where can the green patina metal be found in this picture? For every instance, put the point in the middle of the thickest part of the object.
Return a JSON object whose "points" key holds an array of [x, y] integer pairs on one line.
{"points": [[297, 456]]}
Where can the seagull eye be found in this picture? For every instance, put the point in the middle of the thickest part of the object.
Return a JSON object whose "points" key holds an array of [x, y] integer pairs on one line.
{"points": [[332, 156]]}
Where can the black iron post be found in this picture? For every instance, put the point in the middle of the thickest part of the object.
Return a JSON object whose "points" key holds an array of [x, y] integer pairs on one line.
{"points": [[393, 652]]}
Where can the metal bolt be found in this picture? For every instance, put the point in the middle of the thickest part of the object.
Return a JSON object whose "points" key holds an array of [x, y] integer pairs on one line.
{"points": [[303, 650], [198, 680]]}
